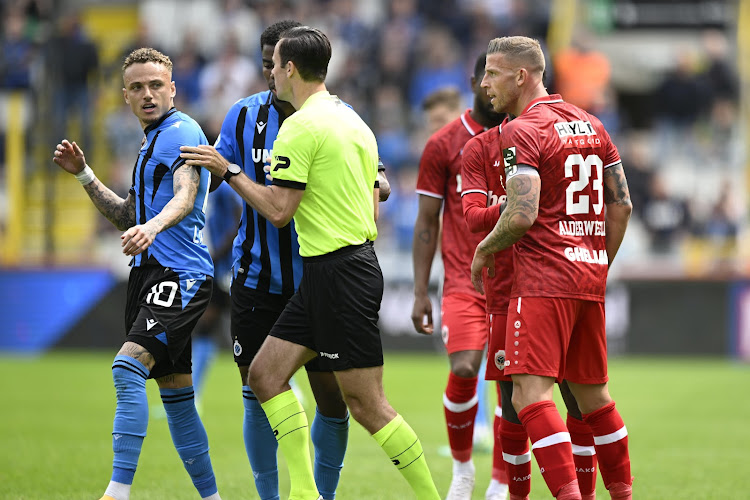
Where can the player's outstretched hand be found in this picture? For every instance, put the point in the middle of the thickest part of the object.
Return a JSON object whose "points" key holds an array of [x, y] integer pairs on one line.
{"points": [[205, 156], [137, 239], [421, 315], [480, 261], [69, 157]]}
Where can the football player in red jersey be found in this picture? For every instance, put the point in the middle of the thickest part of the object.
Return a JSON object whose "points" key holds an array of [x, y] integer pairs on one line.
{"points": [[561, 169], [482, 198], [463, 309]]}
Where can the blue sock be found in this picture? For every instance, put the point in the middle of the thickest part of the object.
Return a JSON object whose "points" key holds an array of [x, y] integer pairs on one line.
{"points": [[189, 437], [204, 348], [131, 416], [260, 445], [329, 437]]}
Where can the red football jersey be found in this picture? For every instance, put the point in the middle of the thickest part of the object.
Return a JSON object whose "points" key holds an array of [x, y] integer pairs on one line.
{"points": [[564, 253], [440, 177], [482, 175]]}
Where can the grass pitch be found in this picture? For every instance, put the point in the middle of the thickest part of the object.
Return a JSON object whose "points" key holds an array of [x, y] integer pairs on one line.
{"points": [[688, 421]]}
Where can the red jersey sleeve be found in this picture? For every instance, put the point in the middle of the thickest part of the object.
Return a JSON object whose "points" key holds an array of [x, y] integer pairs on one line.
{"points": [[525, 149], [432, 170], [479, 217]]}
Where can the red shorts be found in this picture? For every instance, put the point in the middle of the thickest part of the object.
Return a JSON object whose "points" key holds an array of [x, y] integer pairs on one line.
{"points": [[464, 326], [557, 337], [496, 348]]}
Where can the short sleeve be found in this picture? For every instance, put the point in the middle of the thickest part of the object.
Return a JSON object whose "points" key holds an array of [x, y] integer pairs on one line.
{"points": [[292, 155], [473, 178], [432, 170], [180, 134], [521, 145]]}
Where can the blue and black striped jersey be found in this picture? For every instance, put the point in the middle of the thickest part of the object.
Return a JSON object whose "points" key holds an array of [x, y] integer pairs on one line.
{"points": [[181, 246], [264, 258]]}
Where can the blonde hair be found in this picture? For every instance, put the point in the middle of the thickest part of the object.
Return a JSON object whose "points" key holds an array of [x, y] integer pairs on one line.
{"points": [[524, 51], [448, 96], [145, 55]]}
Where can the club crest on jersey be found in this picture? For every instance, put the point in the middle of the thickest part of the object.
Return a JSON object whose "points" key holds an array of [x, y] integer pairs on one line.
{"points": [[237, 348], [500, 359], [509, 159]]}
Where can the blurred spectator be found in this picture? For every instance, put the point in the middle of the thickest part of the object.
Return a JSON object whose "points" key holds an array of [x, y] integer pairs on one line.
{"points": [[638, 160], [72, 60], [438, 65], [666, 217], [229, 76], [723, 223], [678, 103], [581, 73], [390, 127], [604, 107], [188, 64], [15, 53], [721, 76]]}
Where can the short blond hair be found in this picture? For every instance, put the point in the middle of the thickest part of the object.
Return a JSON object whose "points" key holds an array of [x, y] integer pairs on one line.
{"points": [[448, 96], [524, 51], [145, 55]]}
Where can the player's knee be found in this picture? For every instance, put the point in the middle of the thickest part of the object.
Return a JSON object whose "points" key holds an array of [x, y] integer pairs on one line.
{"points": [[464, 369], [591, 397]]}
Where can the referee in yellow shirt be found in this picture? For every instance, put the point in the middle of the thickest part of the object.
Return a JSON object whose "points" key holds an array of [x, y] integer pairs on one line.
{"points": [[324, 168]]}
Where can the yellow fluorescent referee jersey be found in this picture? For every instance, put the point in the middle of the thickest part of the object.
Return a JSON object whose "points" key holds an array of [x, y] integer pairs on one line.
{"points": [[326, 149]]}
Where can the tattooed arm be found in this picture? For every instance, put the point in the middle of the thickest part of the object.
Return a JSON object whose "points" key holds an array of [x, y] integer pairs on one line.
{"points": [[120, 212], [426, 232], [185, 185], [619, 208], [517, 217]]}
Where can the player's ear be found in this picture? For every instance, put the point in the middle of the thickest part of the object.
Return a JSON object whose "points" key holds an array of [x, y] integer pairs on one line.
{"points": [[174, 89], [125, 95], [290, 68], [522, 76]]}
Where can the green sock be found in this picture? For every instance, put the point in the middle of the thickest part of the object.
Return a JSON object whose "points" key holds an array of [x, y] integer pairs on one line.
{"points": [[402, 446], [289, 424]]}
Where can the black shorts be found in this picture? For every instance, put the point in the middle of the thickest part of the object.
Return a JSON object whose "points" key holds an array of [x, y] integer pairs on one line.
{"points": [[162, 309], [335, 311], [253, 315]]}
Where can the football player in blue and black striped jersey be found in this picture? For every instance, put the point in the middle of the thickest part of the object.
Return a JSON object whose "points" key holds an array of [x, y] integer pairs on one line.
{"points": [[171, 277]]}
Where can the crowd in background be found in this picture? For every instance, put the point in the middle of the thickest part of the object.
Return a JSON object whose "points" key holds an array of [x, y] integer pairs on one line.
{"points": [[681, 150]]}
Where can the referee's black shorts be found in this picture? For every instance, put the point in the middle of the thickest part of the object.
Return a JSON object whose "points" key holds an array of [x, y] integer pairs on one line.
{"points": [[335, 311]]}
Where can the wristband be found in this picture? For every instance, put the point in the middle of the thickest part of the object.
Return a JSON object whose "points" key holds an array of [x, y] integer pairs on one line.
{"points": [[86, 176]]}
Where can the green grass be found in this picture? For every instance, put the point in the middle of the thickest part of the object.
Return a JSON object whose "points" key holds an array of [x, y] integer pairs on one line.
{"points": [[688, 421]]}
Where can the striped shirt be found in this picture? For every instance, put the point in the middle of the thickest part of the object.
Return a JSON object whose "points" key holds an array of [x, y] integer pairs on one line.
{"points": [[264, 258], [179, 247]]}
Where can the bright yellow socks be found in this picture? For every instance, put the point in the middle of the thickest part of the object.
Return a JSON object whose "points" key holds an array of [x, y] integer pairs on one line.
{"points": [[289, 424], [402, 446]]}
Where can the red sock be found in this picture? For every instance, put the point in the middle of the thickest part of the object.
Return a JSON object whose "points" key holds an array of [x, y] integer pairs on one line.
{"points": [[460, 405], [517, 458], [499, 473], [550, 442], [611, 441], [584, 456]]}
